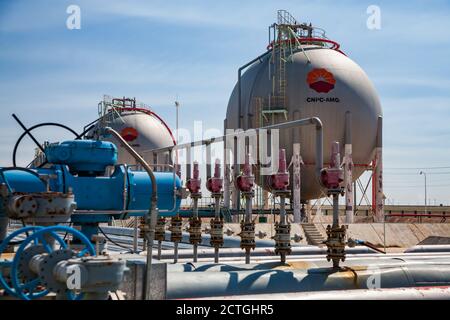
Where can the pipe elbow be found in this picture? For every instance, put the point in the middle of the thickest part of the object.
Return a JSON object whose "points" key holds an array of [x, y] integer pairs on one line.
{"points": [[316, 121]]}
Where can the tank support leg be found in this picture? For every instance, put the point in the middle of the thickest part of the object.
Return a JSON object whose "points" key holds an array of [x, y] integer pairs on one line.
{"points": [[348, 168], [296, 185], [378, 173]]}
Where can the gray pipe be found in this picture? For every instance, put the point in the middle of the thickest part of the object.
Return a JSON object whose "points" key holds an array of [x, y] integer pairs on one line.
{"points": [[152, 214], [415, 293], [429, 248], [216, 284], [259, 252], [306, 262]]}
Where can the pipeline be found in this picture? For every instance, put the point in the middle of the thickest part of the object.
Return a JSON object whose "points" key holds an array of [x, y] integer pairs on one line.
{"points": [[415, 293], [251, 282], [152, 214]]}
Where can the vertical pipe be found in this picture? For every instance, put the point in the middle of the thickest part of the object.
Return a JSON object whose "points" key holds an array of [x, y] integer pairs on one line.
{"points": [[159, 249], [188, 163], [248, 209], [175, 252], [336, 164], [283, 221], [226, 170], [239, 98], [195, 214], [236, 167], [135, 233], [335, 210], [296, 185], [217, 216], [348, 167], [208, 161]]}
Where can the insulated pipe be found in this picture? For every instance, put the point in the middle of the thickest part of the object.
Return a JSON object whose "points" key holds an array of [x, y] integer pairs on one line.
{"points": [[260, 252], [152, 214], [250, 282], [305, 262], [415, 293], [429, 248], [195, 215], [308, 262]]}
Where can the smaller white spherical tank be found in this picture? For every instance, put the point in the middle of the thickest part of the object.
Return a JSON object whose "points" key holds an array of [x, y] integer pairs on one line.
{"points": [[143, 129]]}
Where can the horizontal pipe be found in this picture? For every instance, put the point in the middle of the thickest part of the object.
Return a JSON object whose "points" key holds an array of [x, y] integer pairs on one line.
{"points": [[415, 293], [302, 263], [250, 282], [429, 248], [229, 241], [259, 252], [414, 215]]}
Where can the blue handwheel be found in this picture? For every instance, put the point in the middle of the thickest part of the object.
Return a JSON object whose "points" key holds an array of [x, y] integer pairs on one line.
{"points": [[4, 264], [27, 291]]}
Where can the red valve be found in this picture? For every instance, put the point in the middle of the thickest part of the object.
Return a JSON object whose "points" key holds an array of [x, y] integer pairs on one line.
{"points": [[215, 184], [332, 177], [280, 180], [246, 181], [194, 184]]}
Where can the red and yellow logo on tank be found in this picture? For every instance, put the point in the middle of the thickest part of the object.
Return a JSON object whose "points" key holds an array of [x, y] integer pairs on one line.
{"points": [[320, 80], [129, 134]]}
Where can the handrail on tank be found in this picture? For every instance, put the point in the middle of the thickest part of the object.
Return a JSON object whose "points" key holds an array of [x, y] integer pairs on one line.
{"points": [[149, 112], [284, 125], [335, 45]]}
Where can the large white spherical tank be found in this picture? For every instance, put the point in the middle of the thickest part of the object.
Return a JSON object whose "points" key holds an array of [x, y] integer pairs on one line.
{"points": [[143, 131], [326, 87]]}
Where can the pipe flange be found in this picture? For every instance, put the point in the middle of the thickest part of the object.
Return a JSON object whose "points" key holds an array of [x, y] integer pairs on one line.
{"points": [[160, 229], [24, 271], [247, 235], [282, 238], [336, 244], [48, 265], [176, 232], [195, 230], [216, 232]]}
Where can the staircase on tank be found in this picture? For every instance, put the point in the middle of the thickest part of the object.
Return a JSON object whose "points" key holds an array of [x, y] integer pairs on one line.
{"points": [[313, 235]]}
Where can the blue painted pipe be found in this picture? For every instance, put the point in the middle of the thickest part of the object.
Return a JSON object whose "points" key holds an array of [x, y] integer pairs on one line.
{"points": [[102, 193]]}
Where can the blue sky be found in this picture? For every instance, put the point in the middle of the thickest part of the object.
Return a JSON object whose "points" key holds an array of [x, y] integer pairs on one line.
{"points": [[158, 50]]}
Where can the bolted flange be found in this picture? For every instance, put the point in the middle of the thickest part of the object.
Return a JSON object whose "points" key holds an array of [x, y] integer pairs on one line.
{"points": [[175, 228], [195, 230], [336, 244], [160, 230], [216, 232], [282, 238], [247, 235]]}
